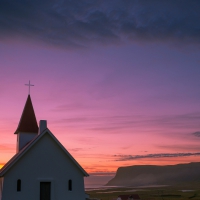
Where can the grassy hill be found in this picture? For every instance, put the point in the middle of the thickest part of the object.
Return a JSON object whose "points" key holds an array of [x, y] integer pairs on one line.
{"points": [[144, 175]]}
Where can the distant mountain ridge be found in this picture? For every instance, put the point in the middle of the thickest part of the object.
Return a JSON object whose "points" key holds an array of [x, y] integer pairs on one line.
{"points": [[140, 175]]}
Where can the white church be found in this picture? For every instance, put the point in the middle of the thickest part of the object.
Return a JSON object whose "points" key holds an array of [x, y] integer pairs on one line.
{"points": [[42, 169]]}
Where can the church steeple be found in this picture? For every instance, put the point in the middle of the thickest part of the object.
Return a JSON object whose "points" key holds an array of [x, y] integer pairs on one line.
{"points": [[27, 128], [28, 121]]}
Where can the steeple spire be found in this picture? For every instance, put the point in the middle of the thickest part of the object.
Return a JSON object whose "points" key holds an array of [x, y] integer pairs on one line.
{"points": [[27, 123]]}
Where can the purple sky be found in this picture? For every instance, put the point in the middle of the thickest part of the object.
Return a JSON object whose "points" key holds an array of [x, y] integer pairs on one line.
{"points": [[117, 81]]}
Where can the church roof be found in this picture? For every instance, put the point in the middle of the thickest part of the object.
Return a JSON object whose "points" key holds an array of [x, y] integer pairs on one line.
{"points": [[31, 145], [28, 121]]}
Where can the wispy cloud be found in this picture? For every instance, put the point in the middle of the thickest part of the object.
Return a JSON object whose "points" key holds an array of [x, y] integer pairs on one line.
{"points": [[79, 23], [80, 106], [121, 124], [180, 147], [197, 134], [76, 149], [161, 155]]}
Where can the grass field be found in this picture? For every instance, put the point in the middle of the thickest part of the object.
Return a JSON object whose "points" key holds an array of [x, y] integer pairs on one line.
{"points": [[149, 193]]}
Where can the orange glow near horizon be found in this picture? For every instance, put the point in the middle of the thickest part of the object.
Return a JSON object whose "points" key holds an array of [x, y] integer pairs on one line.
{"points": [[92, 155], [99, 165]]}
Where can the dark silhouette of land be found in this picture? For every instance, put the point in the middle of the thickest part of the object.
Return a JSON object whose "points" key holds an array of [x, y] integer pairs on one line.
{"points": [[147, 175]]}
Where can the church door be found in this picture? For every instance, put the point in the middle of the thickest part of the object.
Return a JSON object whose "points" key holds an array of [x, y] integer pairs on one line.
{"points": [[45, 190]]}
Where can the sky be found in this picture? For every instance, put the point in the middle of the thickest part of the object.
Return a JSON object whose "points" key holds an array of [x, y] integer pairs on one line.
{"points": [[117, 81]]}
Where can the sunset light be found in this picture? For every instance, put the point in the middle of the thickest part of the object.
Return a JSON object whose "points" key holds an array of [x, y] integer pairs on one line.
{"points": [[118, 83]]}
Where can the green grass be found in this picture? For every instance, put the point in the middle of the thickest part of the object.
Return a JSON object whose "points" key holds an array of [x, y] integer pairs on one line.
{"points": [[164, 193]]}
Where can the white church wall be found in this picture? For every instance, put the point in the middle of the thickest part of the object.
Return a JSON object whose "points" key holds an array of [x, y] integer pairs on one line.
{"points": [[44, 162]]}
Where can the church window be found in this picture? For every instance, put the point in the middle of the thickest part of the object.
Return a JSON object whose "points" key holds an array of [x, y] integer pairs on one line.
{"points": [[18, 185], [70, 185]]}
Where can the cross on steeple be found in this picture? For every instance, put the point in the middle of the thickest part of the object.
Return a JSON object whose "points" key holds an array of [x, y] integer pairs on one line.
{"points": [[29, 85]]}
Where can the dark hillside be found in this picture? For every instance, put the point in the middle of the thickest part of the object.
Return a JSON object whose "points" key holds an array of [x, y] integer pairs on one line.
{"points": [[156, 175]]}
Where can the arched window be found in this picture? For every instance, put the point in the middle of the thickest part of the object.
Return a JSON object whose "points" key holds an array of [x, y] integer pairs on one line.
{"points": [[70, 185], [18, 185]]}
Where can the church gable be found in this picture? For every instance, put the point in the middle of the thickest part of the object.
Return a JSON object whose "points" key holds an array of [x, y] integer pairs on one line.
{"points": [[47, 148], [47, 158]]}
